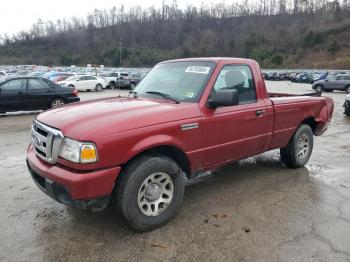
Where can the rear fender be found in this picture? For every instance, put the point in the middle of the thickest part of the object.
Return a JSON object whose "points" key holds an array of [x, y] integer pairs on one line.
{"points": [[324, 117]]}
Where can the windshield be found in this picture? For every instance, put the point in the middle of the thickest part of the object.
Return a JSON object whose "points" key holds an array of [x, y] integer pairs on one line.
{"points": [[183, 81]]}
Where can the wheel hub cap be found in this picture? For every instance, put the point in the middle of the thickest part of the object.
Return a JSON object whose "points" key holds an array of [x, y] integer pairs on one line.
{"points": [[302, 146], [155, 194]]}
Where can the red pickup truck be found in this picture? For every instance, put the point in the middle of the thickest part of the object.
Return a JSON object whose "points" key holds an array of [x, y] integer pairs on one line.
{"points": [[185, 117]]}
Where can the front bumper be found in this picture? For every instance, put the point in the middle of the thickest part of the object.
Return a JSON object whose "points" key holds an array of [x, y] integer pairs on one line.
{"points": [[84, 190]]}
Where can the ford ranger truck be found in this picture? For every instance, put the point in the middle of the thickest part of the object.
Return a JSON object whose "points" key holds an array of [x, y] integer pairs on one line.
{"points": [[185, 117]]}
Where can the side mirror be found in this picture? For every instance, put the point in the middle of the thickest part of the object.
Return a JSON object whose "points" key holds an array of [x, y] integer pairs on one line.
{"points": [[223, 98]]}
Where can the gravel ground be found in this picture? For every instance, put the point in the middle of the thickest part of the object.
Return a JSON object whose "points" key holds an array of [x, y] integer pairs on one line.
{"points": [[253, 210]]}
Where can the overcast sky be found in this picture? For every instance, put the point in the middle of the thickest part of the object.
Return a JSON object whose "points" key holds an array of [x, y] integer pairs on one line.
{"points": [[17, 15]]}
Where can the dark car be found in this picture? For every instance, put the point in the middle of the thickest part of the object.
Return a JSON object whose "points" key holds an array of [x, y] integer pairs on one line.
{"points": [[331, 83], [303, 78], [33, 93]]}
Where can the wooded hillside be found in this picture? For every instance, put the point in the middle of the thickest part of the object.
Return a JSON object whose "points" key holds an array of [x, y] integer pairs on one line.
{"points": [[277, 33]]}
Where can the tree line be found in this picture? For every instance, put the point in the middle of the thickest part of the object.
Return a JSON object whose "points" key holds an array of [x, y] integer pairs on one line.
{"points": [[275, 32]]}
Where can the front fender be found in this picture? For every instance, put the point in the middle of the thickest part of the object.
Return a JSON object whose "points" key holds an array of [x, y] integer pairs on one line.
{"points": [[152, 142]]}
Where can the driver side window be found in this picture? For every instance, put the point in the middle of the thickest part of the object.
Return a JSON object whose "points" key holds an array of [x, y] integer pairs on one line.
{"points": [[237, 77]]}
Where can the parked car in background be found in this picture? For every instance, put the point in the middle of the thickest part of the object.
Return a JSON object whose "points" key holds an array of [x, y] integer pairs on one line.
{"points": [[347, 105], [33, 93], [303, 78], [134, 80], [36, 73], [120, 80], [84, 82], [333, 82], [3, 76], [57, 79], [60, 74], [123, 81], [110, 79]]}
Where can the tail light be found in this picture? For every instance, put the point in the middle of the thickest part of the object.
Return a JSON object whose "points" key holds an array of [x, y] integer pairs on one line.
{"points": [[74, 92]]}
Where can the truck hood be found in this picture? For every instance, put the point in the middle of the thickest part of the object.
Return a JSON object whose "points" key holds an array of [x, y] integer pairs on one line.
{"points": [[108, 116]]}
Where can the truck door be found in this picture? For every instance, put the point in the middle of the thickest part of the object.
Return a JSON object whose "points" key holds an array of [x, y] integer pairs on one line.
{"points": [[12, 95], [234, 132]]}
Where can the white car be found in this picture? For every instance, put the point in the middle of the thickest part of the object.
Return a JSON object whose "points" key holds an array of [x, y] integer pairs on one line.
{"points": [[84, 82]]}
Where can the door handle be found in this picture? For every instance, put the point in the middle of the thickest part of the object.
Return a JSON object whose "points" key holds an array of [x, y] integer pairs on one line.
{"points": [[259, 112]]}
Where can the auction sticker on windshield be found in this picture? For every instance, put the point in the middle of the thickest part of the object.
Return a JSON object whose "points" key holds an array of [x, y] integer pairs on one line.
{"points": [[198, 69]]}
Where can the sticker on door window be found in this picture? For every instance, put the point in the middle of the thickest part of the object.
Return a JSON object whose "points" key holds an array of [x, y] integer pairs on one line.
{"points": [[198, 69]]}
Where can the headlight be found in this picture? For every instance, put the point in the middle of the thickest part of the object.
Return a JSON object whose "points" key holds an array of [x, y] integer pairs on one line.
{"points": [[78, 152]]}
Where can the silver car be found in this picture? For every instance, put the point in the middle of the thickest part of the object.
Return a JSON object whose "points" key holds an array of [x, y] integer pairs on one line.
{"points": [[337, 82]]}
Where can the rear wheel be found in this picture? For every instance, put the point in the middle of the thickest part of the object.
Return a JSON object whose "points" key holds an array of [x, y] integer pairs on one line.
{"points": [[111, 85], [149, 192], [298, 151], [57, 102], [98, 88]]}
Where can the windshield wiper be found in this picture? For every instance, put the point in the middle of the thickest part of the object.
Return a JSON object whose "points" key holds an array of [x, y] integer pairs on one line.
{"points": [[166, 96]]}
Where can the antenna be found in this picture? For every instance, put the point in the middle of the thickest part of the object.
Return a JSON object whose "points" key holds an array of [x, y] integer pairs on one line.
{"points": [[120, 64]]}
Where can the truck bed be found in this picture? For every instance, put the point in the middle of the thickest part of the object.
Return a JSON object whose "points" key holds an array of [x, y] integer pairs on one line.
{"points": [[273, 94]]}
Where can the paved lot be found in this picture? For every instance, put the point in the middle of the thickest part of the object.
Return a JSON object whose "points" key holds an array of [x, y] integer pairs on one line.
{"points": [[254, 210]]}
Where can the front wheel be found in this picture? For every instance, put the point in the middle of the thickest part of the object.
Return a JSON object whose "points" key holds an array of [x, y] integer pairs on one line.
{"points": [[57, 102], [319, 88], [149, 192], [298, 151]]}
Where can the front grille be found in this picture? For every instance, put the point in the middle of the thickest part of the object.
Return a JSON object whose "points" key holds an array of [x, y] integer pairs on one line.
{"points": [[46, 141]]}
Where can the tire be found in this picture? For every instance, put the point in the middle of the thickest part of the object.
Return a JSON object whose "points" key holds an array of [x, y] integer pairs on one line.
{"points": [[112, 85], [319, 88], [347, 89], [57, 102], [302, 140], [346, 109], [143, 180], [98, 88], [132, 85]]}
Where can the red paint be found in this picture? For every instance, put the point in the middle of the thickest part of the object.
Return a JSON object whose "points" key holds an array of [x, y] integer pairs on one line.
{"points": [[122, 128]]}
